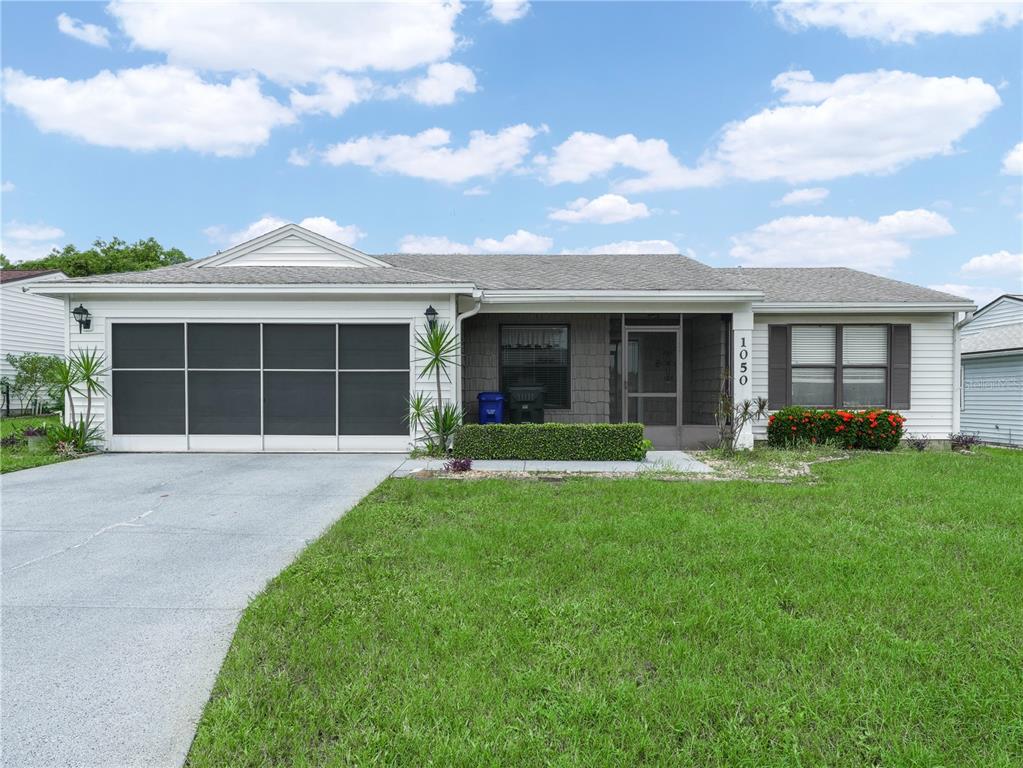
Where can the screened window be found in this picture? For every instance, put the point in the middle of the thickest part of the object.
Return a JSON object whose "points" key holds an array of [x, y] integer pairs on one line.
{"points": [[537, 355], [299, 403], [301, 347], [223, 402], [148, 378], [223, 345], [813, 365], [373, 379]]}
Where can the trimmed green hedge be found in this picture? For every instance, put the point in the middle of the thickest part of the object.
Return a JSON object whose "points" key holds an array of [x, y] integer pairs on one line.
{"points": [[556, 442], [876, 429]]}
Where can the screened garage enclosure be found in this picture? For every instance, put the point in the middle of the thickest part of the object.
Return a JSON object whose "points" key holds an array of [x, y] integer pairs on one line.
{"points": [[258, 386]]}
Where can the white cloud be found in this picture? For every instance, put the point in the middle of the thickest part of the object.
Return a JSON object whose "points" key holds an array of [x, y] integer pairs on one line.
{"points": [[899, 22], [299, 157], [347, 234], [868, 123], [807, 196], [1001, 263], [150, 108], [7, 186], [507, 11], [1012, 163], [17, 231], [93, 34], [585, 155], [335, 94], [830, 241], [428, 155], [606, 209], [26, 242], [981, 295], [293, 43], [519, 241], [476, 191], [628, 247], [441, 84]]}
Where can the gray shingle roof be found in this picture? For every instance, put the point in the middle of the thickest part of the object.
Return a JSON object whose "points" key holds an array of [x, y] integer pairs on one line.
{"points": [[653, 272], [187, 275], [834, 284], [993, 339]]}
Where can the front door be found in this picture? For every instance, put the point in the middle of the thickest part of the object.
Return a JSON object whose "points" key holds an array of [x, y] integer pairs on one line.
{"points": [[651, 384]]}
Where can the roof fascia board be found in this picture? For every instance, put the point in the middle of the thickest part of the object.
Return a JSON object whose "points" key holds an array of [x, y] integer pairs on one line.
{"points": [[818, 307], [538, 296], [993, 353], [286, 231], [178, 289]]}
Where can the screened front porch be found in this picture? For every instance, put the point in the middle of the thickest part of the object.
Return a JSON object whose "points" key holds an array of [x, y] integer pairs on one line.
{"points": [[661, 369]]}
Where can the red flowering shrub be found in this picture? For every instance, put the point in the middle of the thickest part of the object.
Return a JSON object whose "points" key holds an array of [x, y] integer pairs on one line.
{"points": [[874, 430]]}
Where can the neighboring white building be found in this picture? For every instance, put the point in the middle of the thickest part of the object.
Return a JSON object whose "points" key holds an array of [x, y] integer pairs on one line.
{"points": [[992, 365], [28, 322], [293, 341]]}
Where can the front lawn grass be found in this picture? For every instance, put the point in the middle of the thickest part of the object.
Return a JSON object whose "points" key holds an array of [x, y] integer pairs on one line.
{"points": [[871, 617], [19, 457]]}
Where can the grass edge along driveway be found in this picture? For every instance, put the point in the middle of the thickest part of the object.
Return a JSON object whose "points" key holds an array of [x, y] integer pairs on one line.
{"points": [[870, 615]]}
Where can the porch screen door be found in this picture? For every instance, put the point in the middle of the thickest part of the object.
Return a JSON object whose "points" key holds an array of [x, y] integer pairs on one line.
{"points": [[651, 384]]}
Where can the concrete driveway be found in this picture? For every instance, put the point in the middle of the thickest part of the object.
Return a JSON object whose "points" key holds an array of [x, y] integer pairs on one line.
{"points": [[124, 576]]}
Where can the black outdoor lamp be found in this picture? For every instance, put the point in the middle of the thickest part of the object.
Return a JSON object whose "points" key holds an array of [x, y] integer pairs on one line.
{"points": [[431, 316], [83, 317]]}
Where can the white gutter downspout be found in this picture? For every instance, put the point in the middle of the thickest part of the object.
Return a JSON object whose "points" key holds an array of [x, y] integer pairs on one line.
{"points": [[478, 297], [957, 369]]}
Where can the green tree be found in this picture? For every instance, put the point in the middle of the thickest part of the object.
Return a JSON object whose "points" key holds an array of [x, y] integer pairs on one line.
{"points": [[104, 257], [31, 383]]}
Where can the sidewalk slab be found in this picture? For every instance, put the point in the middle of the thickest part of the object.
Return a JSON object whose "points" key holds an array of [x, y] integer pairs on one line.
{"points": [[656, 461]]}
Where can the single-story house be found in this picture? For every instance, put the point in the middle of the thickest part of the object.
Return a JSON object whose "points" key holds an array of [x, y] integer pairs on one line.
{"points": [[292, 341], [992, 371], [28, 322]]}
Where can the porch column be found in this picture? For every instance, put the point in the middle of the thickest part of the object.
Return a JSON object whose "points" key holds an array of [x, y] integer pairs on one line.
{"points": [[742, 366]]}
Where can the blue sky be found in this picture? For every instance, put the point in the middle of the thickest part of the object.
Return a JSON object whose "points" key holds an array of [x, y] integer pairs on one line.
{"points": [[883, 137]]}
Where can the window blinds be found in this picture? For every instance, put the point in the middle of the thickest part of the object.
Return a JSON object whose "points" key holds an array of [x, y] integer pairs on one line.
{"points": [[865, 345], [813, 345]]}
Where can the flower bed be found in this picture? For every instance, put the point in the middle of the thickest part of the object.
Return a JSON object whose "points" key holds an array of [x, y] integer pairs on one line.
{"points": [[876, 429]]}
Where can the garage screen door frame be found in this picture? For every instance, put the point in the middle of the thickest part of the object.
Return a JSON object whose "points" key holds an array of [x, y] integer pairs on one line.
{"points": [[385, 436]]}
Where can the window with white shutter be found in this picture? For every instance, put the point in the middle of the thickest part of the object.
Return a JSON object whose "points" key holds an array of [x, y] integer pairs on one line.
{"points": [[864, 365]]}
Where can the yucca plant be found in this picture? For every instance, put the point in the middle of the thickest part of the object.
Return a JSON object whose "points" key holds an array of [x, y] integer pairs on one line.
{"points": [[81, 374], [438, 349]]}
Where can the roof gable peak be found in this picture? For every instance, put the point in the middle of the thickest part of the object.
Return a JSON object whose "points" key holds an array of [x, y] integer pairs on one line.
{"points": [[291, 246]]}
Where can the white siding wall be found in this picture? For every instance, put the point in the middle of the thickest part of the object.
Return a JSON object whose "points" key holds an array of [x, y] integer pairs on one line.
{"points": [[29, 323], [291, 251], [107, 309], [993, 399], [933, 364], [1005, 312]]}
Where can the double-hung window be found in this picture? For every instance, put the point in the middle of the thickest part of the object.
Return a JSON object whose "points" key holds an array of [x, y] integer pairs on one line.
{"points": [[844, 366], [537, 355], [813, 365], [864, 365]]}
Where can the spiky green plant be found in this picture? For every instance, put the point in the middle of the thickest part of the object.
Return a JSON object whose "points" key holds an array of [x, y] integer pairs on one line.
{"points": [[438, 349]]}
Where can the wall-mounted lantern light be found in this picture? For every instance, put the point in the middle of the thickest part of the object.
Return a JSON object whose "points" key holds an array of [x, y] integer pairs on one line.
{"points": [[83, 317], [431, 316]]}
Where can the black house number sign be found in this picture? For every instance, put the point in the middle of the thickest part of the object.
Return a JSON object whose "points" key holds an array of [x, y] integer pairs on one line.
{"points": [[743, 362]]}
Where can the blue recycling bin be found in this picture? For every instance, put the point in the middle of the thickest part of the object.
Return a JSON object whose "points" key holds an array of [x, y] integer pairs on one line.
{"points": [[491, 407]]}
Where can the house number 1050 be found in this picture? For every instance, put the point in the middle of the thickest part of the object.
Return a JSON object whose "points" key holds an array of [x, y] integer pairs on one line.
{"points": [[743, 364]]}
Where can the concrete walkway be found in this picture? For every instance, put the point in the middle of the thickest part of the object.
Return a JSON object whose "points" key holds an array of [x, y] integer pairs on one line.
{"points": [[656, 461], [124, 576]]}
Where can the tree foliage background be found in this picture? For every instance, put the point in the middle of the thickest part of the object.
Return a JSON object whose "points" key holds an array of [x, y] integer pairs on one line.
{"points": [[104, 257]]}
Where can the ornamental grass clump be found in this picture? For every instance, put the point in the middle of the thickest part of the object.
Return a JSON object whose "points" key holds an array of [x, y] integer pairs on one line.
{"points": [[876, 429]]}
